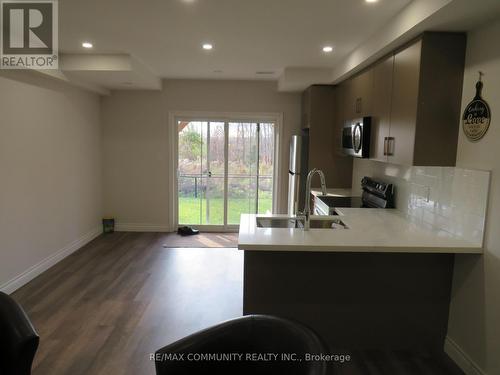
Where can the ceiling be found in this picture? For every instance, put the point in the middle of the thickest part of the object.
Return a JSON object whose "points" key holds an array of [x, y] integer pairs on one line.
{"points": [[248, 35], [252, 39]]}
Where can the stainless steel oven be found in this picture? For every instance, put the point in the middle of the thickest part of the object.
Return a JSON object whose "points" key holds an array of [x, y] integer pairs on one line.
{"points": [[356, 137]]}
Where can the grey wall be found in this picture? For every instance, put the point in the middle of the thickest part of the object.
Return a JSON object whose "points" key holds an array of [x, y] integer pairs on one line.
{"points": [[136, 156], [474, 325], [50, 173]]}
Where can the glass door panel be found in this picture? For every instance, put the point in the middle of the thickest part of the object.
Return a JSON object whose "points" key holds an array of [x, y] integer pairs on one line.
{"points": [[266, 168], [242, 170], [215, 174], [191, 163]]}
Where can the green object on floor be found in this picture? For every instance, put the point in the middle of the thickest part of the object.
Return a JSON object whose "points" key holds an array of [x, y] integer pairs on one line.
{"points": [[108, 225]]}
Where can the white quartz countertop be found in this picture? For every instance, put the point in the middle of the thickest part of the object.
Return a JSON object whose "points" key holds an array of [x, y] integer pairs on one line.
{"points": [[335, 192], [370, 230]]}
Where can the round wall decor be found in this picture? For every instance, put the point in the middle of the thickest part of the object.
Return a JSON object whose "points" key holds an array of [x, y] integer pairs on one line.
{"points": [[477, 115]]}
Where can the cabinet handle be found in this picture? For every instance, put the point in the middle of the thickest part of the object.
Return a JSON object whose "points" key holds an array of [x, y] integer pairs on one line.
{"points": [[359, 105], [385, 146], [390, 146]]}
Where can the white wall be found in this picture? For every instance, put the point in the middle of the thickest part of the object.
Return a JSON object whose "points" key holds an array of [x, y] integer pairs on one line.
{"points": [[50, 174], [135, 136], [474, 324]]}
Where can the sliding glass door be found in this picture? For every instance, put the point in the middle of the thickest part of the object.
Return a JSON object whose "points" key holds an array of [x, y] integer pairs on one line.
{"points": [[225, 169]]}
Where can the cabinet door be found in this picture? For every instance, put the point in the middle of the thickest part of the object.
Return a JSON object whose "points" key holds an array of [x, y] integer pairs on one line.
{"points": [[404, 104], [362, 86], [321, 129], [349, 99], [339, 119], [381, 108]]}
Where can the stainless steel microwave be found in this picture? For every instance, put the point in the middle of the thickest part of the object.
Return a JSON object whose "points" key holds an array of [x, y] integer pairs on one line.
{"points": [[356, 137]]}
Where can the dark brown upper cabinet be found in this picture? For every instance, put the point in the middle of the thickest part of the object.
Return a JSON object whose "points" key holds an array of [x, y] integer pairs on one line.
{"points": [[381, 107], [414, 98], [320, 121], [358, 95], [424, 94]]}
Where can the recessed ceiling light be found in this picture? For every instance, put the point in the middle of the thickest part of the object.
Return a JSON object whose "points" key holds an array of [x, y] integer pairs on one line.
{"points": [[327, 49], [371, 1], [87, 45], [207, 46]]}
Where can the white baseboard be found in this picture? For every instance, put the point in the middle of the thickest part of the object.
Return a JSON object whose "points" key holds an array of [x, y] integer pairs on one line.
{"points": [[32, 272], [141, 227], [462, 359]]}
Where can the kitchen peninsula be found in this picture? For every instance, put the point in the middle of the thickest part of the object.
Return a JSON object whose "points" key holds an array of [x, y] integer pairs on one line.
{"points": [[384, 281]]}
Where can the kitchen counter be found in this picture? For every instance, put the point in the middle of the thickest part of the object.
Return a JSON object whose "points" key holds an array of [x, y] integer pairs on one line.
{"points": [[370, 230]]}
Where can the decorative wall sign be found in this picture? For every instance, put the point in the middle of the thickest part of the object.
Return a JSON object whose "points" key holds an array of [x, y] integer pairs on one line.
{"points": [[477, 115]]}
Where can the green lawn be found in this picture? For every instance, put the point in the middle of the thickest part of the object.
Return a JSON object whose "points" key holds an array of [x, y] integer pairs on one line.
{"points": [[189, 210]]}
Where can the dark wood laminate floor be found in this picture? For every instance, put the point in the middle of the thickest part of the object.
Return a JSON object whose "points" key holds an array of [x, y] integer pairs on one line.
{"points": [[104, 309]]}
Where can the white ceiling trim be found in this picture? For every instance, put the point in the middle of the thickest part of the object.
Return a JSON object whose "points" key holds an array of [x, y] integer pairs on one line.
{"points": [[86, 62], [59, 75], [109, 71], [403, 28], [297, 79]]}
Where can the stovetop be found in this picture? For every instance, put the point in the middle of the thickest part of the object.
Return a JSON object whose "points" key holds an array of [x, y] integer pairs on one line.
{"points": [[376, 194]]}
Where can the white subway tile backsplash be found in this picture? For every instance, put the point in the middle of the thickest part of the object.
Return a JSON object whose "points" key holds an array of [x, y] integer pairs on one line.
{"points": [[450, 199]]}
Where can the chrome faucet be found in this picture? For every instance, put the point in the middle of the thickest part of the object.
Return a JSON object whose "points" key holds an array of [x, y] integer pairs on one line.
{"points": [[307, 205]]}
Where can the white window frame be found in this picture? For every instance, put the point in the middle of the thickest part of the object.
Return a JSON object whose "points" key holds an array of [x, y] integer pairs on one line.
{"points": [[173, 145]]}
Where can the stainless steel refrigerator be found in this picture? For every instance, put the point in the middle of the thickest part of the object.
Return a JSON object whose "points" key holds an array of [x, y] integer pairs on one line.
{"points": [[297, 173]]}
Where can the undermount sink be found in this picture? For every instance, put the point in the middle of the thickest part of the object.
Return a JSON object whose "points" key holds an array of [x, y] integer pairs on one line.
{"points": [[274, 222], [287, 222]]}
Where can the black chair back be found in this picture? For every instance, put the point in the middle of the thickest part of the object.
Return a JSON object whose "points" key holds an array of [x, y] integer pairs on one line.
{"points": [[285, 342], [18, 338]]}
